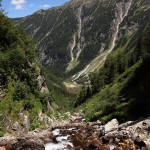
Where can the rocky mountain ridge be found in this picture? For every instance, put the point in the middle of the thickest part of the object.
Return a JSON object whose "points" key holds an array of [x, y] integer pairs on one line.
{"points": [[77, 37]]}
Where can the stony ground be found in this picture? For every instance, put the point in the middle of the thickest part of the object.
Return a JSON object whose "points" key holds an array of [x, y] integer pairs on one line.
{"points": [[78, 135]]}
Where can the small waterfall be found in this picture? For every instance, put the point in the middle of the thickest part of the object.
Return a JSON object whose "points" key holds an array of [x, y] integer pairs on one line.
{"points": [[62, 141]]}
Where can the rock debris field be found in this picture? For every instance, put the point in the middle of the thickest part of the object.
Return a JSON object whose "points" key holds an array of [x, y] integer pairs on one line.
{"points": [[76, 134]]}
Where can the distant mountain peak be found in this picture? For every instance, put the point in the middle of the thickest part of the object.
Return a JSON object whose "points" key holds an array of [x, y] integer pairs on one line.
{"points": [[41, 11], [76, 2]]}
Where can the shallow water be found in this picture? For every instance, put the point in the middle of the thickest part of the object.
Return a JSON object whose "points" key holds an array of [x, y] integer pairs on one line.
{"points": [[62, 142], [52, 146]]}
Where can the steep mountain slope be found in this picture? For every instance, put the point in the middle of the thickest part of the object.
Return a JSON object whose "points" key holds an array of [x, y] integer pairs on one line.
{"points": [[76, 38], [121, 88], [25, 101], [85, 36]]}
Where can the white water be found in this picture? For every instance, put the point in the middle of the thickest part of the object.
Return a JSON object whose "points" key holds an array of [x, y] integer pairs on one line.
{"points": [[62, 141], [52, 146], [56, 132], [119, 18], [61, 145]]}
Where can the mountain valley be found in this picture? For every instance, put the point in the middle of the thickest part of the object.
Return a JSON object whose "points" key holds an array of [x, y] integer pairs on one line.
{"points": [[88, 58], [77, 37]]}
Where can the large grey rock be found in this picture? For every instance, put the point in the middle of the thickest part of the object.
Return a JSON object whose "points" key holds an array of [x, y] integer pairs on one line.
{"points": [[27, 121], [44, 118], [16, 126], [139, 129], [125, 125], [42, 84], [111, 126], [142, 130]]}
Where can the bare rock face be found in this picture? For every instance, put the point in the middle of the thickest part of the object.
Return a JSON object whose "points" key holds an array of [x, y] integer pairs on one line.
{"points": [[16, 126], [27, 121], [111, 126], [90, 26], [141, 131], [42, 84], [44, 118], [2, 94], [125, 125]]}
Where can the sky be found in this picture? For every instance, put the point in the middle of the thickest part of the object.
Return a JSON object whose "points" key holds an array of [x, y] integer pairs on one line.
{"points": [[21, 8]]}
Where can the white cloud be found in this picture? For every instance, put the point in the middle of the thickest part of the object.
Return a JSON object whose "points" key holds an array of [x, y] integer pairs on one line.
{"points": [[45, 5], [18, 4]]}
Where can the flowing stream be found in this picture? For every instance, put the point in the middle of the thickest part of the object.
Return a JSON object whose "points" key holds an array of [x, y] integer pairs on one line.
{"points": [[77, 134], [62, 140]]}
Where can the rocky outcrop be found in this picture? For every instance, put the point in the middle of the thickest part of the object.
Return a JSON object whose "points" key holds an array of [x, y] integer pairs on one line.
{"points": [[42, 83], [34, 140], [22, 125], [44, 118], [111, 126], [21, 144], [2, 94], [132, 135], [77, 134], [27, 121]]}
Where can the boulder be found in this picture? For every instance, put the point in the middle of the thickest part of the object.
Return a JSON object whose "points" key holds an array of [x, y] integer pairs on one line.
{"points": [[23, 144], [139, 129], [125, 125], [27, 121], [3, 148], [16, 126], [111, 126]]}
